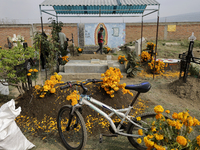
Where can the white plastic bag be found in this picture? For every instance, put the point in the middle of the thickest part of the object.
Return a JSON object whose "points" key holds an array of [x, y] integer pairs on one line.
{"points": [[11, 137]]}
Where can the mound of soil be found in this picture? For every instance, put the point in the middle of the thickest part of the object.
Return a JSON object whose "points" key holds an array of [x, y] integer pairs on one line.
{"points": [[34, 106], [189, 90]]}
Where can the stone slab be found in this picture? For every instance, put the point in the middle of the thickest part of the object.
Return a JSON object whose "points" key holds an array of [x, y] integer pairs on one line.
{"points": [[82, 76], [95, 61], [172, 44], [85, 68]]}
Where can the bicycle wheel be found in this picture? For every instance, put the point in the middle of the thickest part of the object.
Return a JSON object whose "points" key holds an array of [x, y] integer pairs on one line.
{"points": [[147, 118], [75, 136]]}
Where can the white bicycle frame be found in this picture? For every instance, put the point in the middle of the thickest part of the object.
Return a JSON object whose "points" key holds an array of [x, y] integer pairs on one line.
{"points": [[119, 112]]}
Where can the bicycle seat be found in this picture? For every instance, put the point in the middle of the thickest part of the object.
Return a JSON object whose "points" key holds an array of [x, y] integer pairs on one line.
{"points": [[142, 87]]}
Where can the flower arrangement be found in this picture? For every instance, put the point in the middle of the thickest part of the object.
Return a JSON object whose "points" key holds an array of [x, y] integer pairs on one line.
{"points": [[150, 46], [170, 134], [74, 97], [159, 66], [111, 79], [106, 50], [145, 56], [65, 59], [80, 50], [122, 59], [33, 74], [48, 85]]}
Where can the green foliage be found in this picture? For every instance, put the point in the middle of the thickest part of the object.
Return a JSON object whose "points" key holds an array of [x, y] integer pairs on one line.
{"points": [[132, 66], [49, 45], [10, 58], [194, 69]]}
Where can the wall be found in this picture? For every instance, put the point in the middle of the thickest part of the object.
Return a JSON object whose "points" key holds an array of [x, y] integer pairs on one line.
{"points": [[183, 31], [114, 34], [28, 30], [132, 31]]}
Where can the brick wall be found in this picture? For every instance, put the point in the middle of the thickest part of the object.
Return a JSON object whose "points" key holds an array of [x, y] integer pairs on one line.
{"points": [[133, 31], [28, 30], [183, 31], [9, 30]]}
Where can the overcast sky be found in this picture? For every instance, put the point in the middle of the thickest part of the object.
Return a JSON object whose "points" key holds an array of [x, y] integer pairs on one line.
{"points": [[27, 11]]}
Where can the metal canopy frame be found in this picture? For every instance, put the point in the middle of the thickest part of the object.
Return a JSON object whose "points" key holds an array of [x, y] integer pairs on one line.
{"points": [[101, 13]]}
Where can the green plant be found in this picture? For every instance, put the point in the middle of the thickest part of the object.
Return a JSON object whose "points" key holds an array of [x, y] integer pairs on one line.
{"points": [[50, 45], [9, 59], [194, 69], [132, 66], [171, 133]]}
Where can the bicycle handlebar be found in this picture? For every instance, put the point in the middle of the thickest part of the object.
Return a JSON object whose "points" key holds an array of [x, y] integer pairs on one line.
{"points": [[70, 84]]}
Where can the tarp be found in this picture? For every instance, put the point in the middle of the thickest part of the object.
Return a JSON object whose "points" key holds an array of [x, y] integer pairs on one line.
{"points": [[11, 137]]}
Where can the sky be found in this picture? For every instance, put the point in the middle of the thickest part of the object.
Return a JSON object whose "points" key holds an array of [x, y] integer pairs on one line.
{"points": [[27, 11]]}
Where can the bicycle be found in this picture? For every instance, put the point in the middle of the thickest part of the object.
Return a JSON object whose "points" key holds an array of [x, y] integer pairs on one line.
{"points": [[72, 128]]}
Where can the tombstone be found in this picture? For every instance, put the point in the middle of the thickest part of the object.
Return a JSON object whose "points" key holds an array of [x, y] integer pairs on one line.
{"points": [[138, 45]]}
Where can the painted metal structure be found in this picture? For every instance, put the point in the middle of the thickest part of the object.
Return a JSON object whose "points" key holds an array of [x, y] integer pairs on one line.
{"points": [[101, 8]]}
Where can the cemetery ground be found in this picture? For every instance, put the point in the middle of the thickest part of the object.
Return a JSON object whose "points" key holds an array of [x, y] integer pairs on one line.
{"points": [[38, 117]]}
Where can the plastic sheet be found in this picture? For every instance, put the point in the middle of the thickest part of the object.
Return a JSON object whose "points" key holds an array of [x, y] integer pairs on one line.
{"points": [[11, 137]]}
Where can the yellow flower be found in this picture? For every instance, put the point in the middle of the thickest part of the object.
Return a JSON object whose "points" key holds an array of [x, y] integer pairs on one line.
{"points": [[30, 70], [158, 137], [53, 90], [140, 132], [159, 116], [139, 140], [35, 70], [42, 96], [28, 74], [198, 140], [167, 111], [175, 115], [138, 118], [181, 140], [37, 87], [158, 109]]}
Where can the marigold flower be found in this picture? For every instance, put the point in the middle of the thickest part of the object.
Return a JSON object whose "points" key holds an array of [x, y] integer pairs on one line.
{"points": [[52, 90], [167, 111], [198, 140], [181, 140], [158, 137], [139, 140], [30, 70], [138, 118], [175, 115], [140, 132], [35, 70], [37, 87], [159, 116], [28, 74], [158, 109]]}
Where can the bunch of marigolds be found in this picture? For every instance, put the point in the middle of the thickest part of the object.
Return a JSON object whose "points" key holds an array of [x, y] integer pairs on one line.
{"points": [[170, 134], [74, 97], [145, 56], [150, 46], [159, 66], [80, 50], [65, 59], [111, 79], [122, 59], [106, 49], [48, 85]]}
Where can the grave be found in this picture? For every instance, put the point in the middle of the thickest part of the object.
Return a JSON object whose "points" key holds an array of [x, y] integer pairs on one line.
{"points": [[83, 69]]}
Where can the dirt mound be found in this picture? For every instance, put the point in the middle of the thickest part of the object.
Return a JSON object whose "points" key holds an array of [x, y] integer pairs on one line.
{"points": [[34, 106], [189, 90]]}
